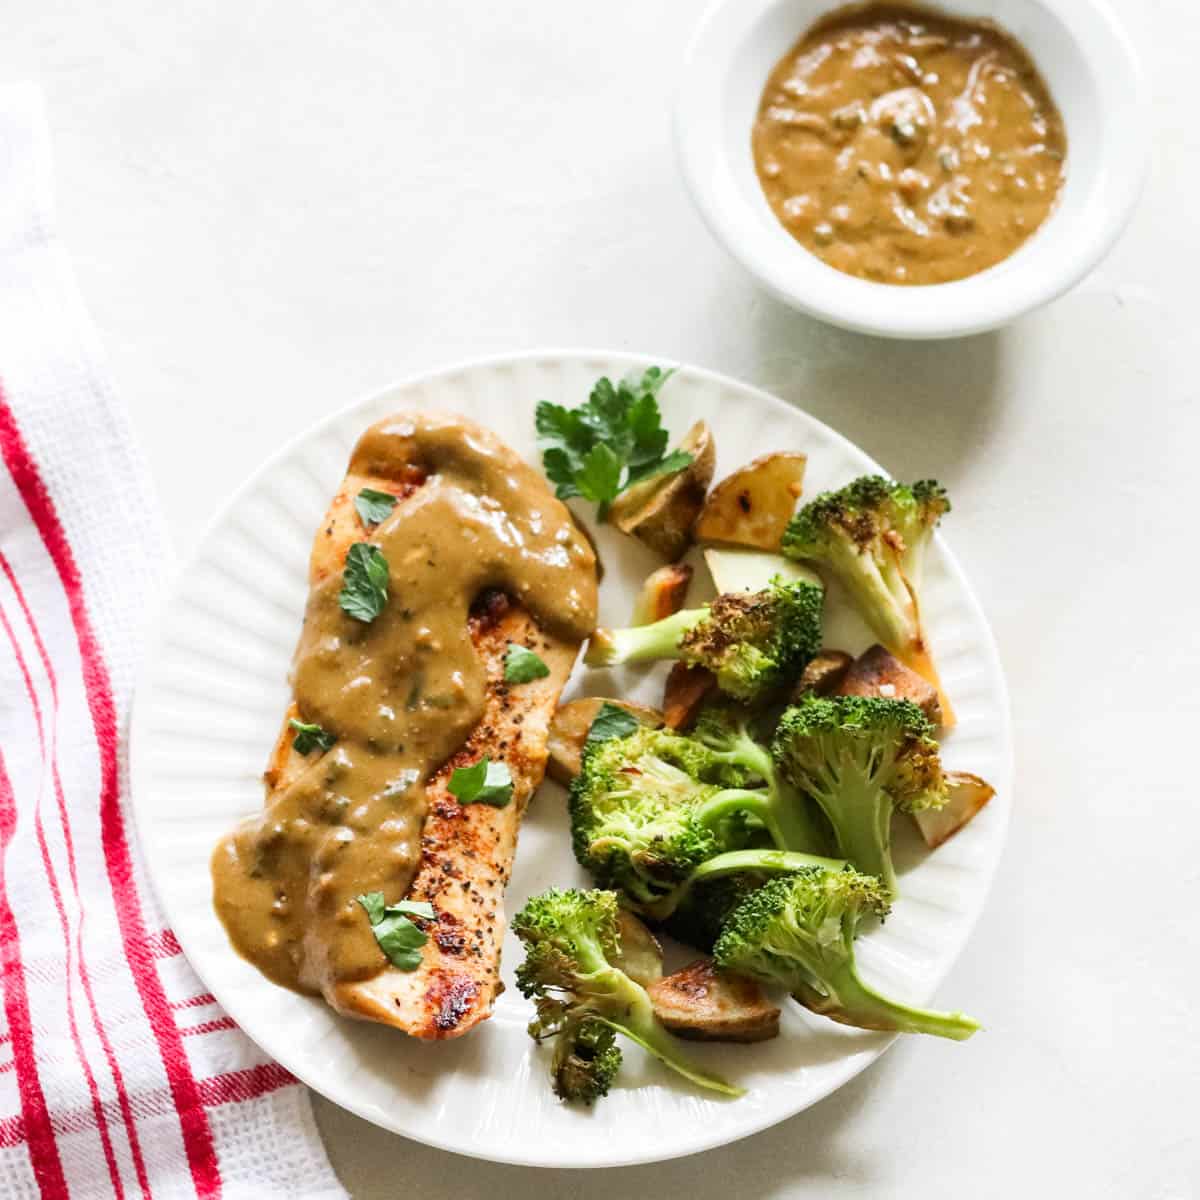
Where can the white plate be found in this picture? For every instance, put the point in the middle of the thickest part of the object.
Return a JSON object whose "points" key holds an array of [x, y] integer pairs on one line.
{"points": [[208, 710]]}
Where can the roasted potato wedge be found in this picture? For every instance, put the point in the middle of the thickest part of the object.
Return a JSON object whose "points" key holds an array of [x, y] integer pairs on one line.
{"points": [[569, 729], [662, 510], [705, 1004], [824, 674], [663, 594], [968, 794], [686, 689], [752, 506], [641, 955], [877, 672], [741, 570]]}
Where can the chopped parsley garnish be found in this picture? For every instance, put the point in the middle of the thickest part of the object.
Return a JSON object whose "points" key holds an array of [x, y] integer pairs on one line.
{"points": [[611, 722], [484, 782], [310, 737], [364, 583], [522, 665], [614, 440], [397, 936], [374, 507], [375, 906]]}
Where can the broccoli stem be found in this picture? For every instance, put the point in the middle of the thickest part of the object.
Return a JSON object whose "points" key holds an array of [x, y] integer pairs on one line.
{"points": [[891, 616], [625, 1006], [861, 815], [739, 800], [742, 752], [785, 822], [888, 602], [794, 827], [638, 1023], [900, 590], [641, 643], [735, 862], [593, 962], [799, 825], [853, 1002]]}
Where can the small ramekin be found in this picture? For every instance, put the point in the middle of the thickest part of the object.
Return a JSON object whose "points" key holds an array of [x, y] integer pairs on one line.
{"points": [[1094, 76]]}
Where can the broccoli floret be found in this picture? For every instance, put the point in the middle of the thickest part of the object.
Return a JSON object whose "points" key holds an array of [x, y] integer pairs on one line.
{"points": [[753, 642], [586, 1055], [798, 931], [873, 534], [647, 809], [635, 812], [571, 938], [860, 758]]}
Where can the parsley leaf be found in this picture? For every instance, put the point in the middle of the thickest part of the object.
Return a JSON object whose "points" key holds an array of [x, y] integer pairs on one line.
{"points": [[560, 469], [364, 583], [614, 440], [599, 477], [310, 737], [398, 937], [374, 507], [667, 465], [611, 722], [522, 665], [375, 905], [400, 940], [484, 782]]}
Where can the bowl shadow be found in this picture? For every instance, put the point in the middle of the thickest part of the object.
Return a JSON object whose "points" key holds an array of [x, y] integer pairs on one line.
{"points": [[921, 408]]}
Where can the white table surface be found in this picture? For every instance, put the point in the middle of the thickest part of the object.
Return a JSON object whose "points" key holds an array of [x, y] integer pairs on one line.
{"points": [[276, 205]]}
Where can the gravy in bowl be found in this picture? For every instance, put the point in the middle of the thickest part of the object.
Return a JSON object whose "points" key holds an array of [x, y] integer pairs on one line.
{"points": [[907, 147]]}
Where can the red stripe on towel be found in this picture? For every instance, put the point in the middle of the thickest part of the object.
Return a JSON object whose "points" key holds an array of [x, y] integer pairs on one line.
{"points": [[245, 1085], [114, 1066], [197, 1134], [35, 1116], [110, 1158], [216, 1025], [163, 944]]}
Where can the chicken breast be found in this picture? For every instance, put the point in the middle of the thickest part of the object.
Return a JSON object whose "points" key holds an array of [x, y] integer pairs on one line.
{"points": [[463, 858]]}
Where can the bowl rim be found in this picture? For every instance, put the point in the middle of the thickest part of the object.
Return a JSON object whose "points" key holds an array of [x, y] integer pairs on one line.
{"points": [[992, 297]]}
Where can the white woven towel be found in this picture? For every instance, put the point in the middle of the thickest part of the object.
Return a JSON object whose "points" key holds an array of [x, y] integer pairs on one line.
{"points": [[119, 1076]]}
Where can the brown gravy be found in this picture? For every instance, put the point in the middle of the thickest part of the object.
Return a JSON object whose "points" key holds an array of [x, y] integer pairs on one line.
{"points": [[906, 147], [401, 694]]}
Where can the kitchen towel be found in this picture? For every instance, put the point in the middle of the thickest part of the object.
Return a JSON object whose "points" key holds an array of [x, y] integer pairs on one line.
{"points": [[119, 1075]]}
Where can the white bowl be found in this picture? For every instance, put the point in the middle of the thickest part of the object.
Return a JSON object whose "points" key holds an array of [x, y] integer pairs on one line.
{"points": [[1094, 76]]}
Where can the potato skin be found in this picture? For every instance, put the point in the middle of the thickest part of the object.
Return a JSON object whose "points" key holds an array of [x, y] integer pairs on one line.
{"points": [[686, 689], [705, 1004], [823, 675], [877, 672], [660, 512]]}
